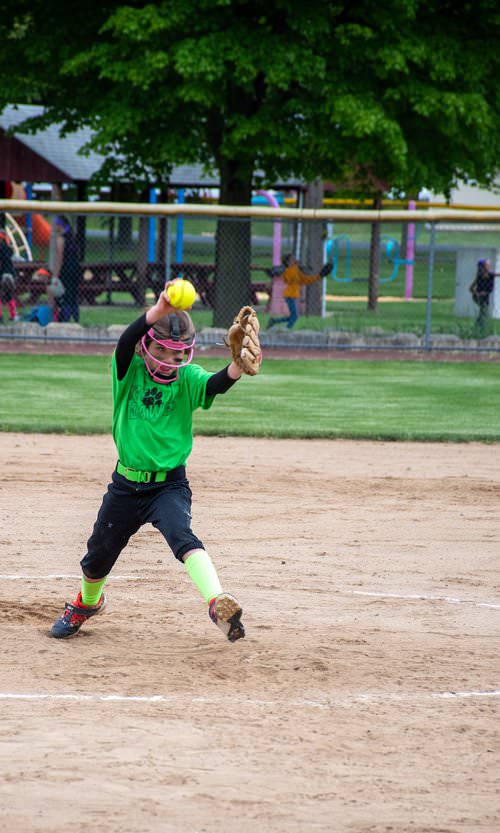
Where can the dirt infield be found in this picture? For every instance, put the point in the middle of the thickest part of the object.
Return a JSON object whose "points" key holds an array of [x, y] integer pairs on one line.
{"points": [[365, 698]]}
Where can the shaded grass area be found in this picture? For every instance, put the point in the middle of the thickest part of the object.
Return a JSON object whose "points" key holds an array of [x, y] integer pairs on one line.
{"points": [[393, 400]]}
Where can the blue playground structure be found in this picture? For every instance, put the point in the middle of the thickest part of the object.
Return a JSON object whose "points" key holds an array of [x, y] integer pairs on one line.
{"points": [[332, 255], [392, 251], [338, 252]]}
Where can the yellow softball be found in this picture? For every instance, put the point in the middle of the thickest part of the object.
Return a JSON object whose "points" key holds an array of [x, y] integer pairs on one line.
{"points": [[181, 294]]}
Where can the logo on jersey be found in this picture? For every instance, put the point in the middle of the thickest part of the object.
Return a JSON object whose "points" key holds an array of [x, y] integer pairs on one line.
{"points": [[152, 398], [150, 403]]}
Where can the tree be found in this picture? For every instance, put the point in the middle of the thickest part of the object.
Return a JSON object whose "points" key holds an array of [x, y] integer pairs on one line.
{"points": [[405, 91], [312, 246]]}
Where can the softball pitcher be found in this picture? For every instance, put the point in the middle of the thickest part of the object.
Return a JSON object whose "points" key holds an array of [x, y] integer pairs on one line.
{"points": [[156, 388]]}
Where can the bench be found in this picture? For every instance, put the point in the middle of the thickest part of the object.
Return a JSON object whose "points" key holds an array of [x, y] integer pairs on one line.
{"points": [[97, 278]]}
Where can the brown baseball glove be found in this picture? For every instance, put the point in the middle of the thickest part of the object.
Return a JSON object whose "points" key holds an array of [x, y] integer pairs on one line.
{"points": [[242, 338]]}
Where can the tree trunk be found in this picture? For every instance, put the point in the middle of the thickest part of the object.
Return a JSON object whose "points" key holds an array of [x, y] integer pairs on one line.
{"points": [[311, 255], [233, 246], [123, 192], [374, 258]]}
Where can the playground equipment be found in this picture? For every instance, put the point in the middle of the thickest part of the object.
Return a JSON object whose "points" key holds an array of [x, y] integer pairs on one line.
{"points": [[41, 230], [332, 255], [277, 303], [36, 229], [410, 253], [17, 238], [271, 200], [262, 198], [333, 251], [392, 255]]}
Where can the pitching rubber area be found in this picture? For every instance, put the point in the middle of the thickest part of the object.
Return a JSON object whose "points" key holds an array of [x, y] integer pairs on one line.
{"points": [[365, 697]]}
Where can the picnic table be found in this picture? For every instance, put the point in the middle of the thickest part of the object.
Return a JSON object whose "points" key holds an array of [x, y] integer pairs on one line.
{"points": [[104, 277]]}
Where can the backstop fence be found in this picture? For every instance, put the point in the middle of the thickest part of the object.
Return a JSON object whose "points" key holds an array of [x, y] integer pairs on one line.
{"points": [[368, 279]]}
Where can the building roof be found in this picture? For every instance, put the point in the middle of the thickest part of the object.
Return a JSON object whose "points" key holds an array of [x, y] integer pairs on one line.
{"points": [[46, 156], [44, 152]]}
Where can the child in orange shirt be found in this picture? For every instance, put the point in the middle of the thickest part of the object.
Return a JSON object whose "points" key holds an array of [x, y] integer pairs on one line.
{"points": [[295, 279]]}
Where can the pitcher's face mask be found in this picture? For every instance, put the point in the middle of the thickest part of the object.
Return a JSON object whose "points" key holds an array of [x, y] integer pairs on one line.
{"points": [[164, 366]]}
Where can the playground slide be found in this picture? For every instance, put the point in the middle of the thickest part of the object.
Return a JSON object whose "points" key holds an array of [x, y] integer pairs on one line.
{"points": [[41, 230]]}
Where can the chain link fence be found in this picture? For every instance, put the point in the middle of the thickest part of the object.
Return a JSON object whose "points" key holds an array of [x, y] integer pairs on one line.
{"points": [[366, 280]]}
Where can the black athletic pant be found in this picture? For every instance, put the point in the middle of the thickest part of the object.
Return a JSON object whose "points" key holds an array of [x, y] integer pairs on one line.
{"points": [[127, 506]]}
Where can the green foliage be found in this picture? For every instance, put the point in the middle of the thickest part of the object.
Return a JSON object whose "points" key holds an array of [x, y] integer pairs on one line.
{"points": [[410, 400], [403, 92], [396, 95]]}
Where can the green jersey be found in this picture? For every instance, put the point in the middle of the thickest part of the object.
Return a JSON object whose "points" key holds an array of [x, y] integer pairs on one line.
{"points": [[152, 422]]}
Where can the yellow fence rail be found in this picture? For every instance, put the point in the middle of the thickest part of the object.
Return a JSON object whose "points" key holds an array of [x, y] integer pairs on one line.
{"points": [[192, 209]]}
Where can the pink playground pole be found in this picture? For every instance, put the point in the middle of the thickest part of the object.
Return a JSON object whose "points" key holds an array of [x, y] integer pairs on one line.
{"points": [[277, 228], [278, 305], [410, 254]]}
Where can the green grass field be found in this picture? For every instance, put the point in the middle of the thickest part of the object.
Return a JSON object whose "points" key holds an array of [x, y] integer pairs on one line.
{"points": [[393, 400]]}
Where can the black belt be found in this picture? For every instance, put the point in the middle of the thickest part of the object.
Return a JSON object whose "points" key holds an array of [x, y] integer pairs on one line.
{"points": [[137, 476]]}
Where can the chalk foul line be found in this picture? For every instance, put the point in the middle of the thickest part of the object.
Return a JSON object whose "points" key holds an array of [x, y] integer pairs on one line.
{"points": [[419, 597], [362, 698]]}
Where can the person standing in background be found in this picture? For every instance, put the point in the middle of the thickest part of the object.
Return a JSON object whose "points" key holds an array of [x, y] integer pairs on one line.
{"points": [[481, 289], [7, 279], [68, 269]]}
